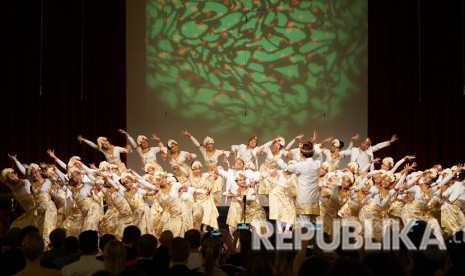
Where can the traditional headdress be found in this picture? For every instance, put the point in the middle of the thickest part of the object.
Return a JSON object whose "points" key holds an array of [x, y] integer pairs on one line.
{"points": [[141, 138], [353, 166], [388, 161], [446, 171], [280, 140], [336, 143], [100, 140], [5, 173], [239, 158], [72, 171], [415, 174], [125, 177], [196, 165], [149, 178], [33, 167], [73, 160], [148, 166], [208, 140], [171, 143], [239, 174], [348, 176], [104, 165], [50, 169], [171, 179], [432, 173], [389, 175]]}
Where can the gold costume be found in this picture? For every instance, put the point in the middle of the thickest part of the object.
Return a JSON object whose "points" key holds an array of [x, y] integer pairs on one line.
{"points": [[452, 217], [26, 201]]}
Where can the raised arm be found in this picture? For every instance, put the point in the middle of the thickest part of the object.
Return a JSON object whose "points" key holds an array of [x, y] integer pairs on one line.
{"points": [[157, 140], [90, 143], [62, 164], [327, 140], [385, 201], [384, 144], [297, 138], [409, 183], [401, 161], [348, 150], [61, 175], [147, 184], [293, 168], [188, 135], [20, 166], [129, 138], [450, 176]]}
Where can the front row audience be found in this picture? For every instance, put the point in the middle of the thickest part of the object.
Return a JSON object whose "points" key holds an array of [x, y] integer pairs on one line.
{"points": [[23, 253]]}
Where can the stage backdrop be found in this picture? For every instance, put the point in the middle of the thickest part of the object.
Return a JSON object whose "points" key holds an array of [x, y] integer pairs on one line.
{"points": [[236, 69]]}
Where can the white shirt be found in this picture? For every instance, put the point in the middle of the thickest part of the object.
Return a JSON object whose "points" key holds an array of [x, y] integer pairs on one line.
{"points": [[307, 172]]}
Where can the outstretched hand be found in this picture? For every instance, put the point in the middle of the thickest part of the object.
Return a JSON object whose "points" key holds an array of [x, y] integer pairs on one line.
{"points": [[355, 138], [299, 137], [12, 156], [409, 157], [155, 138], [124, 132], [393, 139], [186, 133], [313, 139], [51, 153]]}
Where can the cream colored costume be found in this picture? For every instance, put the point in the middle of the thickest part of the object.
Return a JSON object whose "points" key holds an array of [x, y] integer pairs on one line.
{"points": [[281, 204], [452, 216], [113, 157], [140, 209], [210, 212], [46, 209], [149, 155], [118, 215], [22, 193], [374, 211], [181, 161], [90, 209]]}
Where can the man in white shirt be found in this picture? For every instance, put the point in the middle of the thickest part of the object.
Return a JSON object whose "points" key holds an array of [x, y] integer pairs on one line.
{"points": [[307, 171]]}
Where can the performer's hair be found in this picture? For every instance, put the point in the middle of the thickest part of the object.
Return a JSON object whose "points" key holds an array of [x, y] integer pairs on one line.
{"points": [[307, 149]]}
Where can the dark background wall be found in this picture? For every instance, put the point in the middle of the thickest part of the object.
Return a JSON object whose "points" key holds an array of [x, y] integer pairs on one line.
{"points": [[82, 48], [416, 78]]}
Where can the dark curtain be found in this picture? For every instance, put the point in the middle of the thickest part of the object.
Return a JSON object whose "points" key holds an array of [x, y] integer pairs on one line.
{"points": [[64, 76], [416, 79]]}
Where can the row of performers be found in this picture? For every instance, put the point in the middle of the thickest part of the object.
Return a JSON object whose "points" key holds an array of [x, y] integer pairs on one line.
{"points": [[159, 201]]}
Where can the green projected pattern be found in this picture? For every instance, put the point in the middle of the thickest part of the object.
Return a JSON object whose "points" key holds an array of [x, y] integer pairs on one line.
{"points": [[243, 64]]}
